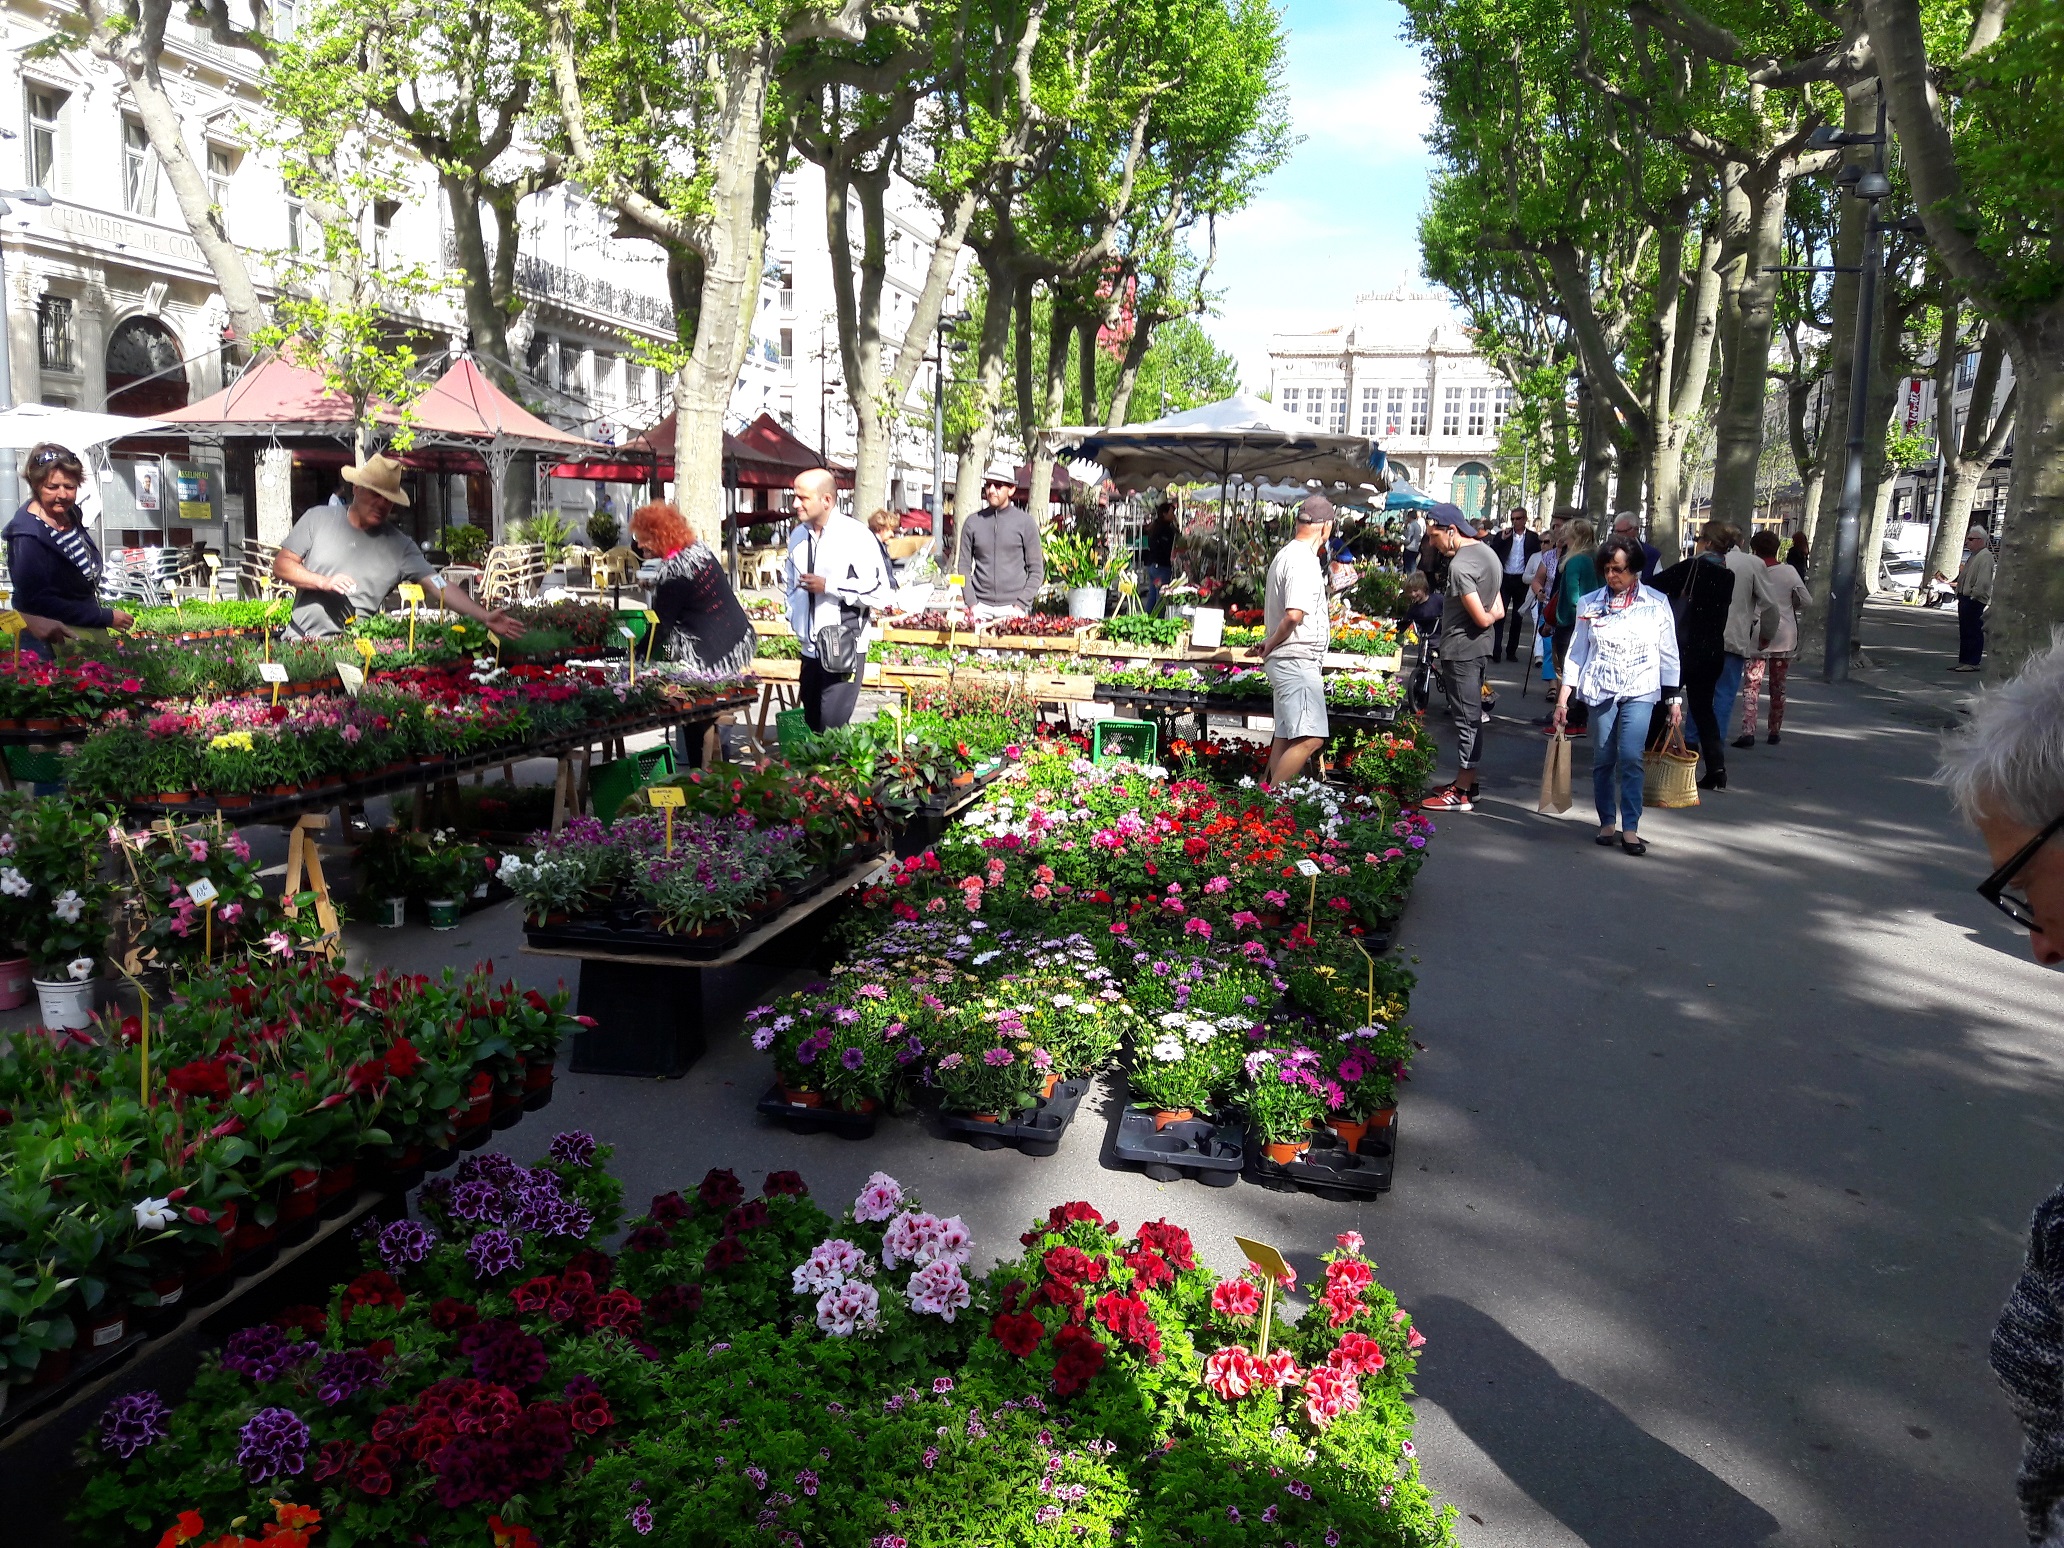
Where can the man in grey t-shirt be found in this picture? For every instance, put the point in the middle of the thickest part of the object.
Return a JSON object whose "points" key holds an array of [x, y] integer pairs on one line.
{"points": [[1472, 609], [343, 562]]}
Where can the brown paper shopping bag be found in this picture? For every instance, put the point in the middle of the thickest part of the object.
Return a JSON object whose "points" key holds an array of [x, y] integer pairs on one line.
{"points": [[1555, 775]]}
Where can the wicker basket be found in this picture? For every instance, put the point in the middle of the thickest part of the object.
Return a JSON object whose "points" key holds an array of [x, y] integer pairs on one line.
{"points": [[1670, 773]]}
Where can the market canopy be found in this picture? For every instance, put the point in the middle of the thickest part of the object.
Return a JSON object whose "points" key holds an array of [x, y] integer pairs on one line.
{"points": [[1243, 437], [464, 408], [1403, 497], [764, 455], [30, 424], [270, 398]]}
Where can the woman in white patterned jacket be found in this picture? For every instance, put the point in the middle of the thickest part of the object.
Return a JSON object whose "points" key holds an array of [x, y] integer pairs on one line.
{"points": [[1622, 662]]}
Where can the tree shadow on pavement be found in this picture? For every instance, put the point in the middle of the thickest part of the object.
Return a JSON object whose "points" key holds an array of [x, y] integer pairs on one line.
{"points": [[1581, 1459]]}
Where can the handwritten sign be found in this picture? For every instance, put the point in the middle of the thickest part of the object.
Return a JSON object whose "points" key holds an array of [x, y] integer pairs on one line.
{"points": [[202, 892], [1307, 868], [352, 677], [667, 795], [272, 672], [411, 592]]}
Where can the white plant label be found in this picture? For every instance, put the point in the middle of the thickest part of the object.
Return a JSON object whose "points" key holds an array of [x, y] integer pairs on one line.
{"points": [[1307, 868], [202, 892]]}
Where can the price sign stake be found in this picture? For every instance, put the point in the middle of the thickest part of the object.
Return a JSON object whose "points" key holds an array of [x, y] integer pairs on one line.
{"points": [[668, 798], [14, 623], [1310, 868], [412, 594], [1274, 1271], [143, 1032], [630, 649], [274, 672], [651, 633], [202, 895]]}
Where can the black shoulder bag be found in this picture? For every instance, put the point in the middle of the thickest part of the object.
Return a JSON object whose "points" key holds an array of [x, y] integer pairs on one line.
{"points": [[842, 647]]}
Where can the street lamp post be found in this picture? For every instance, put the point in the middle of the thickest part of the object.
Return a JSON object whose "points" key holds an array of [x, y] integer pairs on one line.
{"points": [[37, 196], [1871, 187], [948, 321]]}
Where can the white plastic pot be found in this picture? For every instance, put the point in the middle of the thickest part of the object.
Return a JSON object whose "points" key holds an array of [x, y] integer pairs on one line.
{"points": [[67, 1004], [393, 913], [1087, 601]]}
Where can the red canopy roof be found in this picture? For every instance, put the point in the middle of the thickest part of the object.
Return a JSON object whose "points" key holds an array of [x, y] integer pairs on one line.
{"points": [[270, 396], [463, 403], [761, 456]]}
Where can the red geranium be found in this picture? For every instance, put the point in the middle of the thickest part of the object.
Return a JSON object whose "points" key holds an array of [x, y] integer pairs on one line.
{"points": [[1018, 1332]]}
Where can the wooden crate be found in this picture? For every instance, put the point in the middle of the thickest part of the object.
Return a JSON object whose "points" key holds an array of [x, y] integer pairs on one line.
{"points": [[1096, 645], [964, 638], [1063, 687], [772, 627], [1041, 644], [1348, 661]]}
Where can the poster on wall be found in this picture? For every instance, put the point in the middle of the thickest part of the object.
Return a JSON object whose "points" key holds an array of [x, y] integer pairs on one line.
{"points": [[146, 486], [196, 494]]}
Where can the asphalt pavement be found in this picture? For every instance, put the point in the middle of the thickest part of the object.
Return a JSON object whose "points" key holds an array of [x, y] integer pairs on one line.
{"points": [[1714, 1173]]}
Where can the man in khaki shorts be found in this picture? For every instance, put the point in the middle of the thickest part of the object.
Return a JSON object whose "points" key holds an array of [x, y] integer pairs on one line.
{"points": [[1293, 645]]}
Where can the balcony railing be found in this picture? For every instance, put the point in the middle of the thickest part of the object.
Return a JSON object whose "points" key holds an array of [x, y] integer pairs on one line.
{"points": [[554, 282]]}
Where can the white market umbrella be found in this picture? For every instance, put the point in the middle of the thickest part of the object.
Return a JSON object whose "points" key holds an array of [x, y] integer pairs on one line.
{"points": [[30, 424]]}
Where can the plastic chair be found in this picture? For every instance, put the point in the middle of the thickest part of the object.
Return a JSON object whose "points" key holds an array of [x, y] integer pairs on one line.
{"points": [[1133, 741]]}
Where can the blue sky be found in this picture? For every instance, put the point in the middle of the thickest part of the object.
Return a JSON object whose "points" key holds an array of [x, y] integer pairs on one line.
{"points": [[1341, 217]]}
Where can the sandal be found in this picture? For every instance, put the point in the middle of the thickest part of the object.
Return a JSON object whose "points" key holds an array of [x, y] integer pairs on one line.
{"points": [[1637, 846], [1605, 840]]}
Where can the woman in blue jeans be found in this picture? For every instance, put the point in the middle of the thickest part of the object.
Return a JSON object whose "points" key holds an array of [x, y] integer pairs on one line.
{"points": [[1622, 661]]}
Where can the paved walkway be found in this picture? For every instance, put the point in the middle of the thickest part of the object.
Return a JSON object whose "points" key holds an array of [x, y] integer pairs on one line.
{"points": [[1714, 1172]]}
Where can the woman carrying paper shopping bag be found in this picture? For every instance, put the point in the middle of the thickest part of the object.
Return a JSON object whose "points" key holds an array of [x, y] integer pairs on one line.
{"points": [[1622, 661]]}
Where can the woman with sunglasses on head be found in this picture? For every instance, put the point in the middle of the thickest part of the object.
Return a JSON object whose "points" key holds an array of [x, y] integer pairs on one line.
{"points": [[54, 565], [1622, 662]]}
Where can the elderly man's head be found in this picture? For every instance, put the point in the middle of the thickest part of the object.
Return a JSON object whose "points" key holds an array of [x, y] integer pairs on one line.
{"points": [[2005, 771], [1627, 525], [1976, 539]]}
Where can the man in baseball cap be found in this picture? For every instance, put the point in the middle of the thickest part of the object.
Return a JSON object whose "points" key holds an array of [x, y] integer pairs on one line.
{"points": [[1472, 610], [1296, 631]]}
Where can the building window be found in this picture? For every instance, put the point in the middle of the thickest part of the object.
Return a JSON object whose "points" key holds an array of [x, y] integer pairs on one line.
{"points": [[1502, 411], [1479, 408], [139, 170], [285, 16], [1372, 411], [54, 334], [1967, 370], [297, 227], [44, 108], [1422, 403], [1337, 420], [221, 168], [1293, 401], [1394, 411], [384, 211], [1451, 411], [788, 287], [787, 345]]}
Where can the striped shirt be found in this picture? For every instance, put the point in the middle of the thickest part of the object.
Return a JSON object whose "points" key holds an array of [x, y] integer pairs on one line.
{"points": [[73, 541]]}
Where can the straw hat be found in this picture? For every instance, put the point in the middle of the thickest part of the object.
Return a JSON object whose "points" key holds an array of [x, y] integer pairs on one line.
{"points": [[382, 475]]}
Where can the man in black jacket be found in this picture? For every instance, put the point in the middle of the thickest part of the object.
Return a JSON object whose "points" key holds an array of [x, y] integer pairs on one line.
{"points": [[1514, 547]]}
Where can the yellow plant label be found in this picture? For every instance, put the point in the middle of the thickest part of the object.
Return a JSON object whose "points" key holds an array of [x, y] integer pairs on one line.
{"points": [[410, 591], [1264, 1257], [667, 795], [12, 622], [365, 649]]}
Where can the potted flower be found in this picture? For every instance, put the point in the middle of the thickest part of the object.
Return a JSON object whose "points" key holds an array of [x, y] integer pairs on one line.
{"points": [[385, 865], [1283, 1100], [989, 1078], [59, 847]]}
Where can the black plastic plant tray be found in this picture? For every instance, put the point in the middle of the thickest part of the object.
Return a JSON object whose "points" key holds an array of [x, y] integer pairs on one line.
{"points": [[1210, 1153], [1035, 1132], [1331, 1170], [613, 932], [816, 1120]]}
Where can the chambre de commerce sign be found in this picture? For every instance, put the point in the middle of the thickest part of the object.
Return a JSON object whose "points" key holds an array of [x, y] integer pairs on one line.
{"points": [[134, 236]]}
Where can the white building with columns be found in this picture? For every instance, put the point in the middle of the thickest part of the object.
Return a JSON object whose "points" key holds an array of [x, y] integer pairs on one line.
{"points": [[1403, 369]]}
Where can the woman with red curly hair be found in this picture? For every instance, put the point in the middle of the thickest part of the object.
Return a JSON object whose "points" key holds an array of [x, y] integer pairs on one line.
{"points": [[701, 624]]}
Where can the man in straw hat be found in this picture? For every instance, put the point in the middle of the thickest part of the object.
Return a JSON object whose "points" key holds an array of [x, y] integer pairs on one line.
{"points": [[1294, 644], [342, 561]]}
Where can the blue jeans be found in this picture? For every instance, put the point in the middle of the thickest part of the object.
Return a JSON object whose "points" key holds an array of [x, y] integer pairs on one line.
{"points": [[1619, 733], [1725, 692]]}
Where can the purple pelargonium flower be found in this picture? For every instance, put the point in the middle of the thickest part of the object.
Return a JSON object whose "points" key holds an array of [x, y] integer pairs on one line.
{"points": [[264, 1353], [404, 1244], [575, 1147], [133, 1421], [344, 1375], [492, 1253], [852, 1058], [272, 1444], [476, 1201]]}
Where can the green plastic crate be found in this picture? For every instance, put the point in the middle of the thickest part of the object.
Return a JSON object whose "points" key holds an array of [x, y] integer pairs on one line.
{"points": [[616, 782], [794, 731], [32, 765], [1134, 741]]}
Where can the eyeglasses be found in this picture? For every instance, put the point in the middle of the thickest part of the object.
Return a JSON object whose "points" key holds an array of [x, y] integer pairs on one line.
{"points": [[1617, 568], [1994, 888]]}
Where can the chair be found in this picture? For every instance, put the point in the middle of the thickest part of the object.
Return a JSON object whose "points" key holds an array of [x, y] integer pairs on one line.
{"points": [[514, 571], [615, 567], [254, 568]]}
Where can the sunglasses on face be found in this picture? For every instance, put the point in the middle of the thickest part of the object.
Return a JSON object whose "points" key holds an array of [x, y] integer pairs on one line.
{"points": [[1618, 569], [1994, 888]]}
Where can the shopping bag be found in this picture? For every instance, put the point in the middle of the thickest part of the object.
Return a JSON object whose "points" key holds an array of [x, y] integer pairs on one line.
{"points": [[1670, 773], [1555, 779]]}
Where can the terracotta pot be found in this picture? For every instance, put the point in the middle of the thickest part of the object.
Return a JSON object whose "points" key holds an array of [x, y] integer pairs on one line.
{"points": [[964, 779], [1349, 1130], [1284, 1154], [986, 1117], [45, 723], [802, 1098], [285, 790], [174, 797], [538, 1076], [1164, 1116], [1383, 1117], [867, 1105], [10, 723], [232, 802], [1269, 921]]}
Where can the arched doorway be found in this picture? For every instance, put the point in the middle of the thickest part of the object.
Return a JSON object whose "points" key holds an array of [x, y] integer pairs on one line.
{"points": [[1470, 488], [145, 376]]}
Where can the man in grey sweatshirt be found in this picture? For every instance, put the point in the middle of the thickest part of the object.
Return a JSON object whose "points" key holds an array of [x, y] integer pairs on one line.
{"points": [[999, 552]]}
